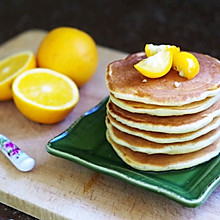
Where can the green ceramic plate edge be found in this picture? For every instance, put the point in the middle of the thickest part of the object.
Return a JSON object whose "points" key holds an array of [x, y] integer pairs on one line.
{"points": [[213, 183]]}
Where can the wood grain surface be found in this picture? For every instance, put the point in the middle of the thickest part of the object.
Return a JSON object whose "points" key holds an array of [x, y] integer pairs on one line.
{"points": [[60, 189]]}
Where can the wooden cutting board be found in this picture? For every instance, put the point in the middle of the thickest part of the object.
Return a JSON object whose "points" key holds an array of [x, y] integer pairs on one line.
{"points": [[60, 189]]}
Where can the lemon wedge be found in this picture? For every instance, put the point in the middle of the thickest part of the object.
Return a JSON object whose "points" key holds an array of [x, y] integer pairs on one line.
{"points": [[186, 64], [151, 49], [156, 65]]}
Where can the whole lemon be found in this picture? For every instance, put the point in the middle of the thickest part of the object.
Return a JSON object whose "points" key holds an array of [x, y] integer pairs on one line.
{"points": [[69, 51]]}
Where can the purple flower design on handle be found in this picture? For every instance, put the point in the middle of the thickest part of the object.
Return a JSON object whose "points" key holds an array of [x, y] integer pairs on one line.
{"points": [[17, 157], [12, 149], [15, 151], [9, 145]]}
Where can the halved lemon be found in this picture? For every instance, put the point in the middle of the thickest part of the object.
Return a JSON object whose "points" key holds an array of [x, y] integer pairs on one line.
{"points": [[12, 66], [186, 64], [44, 95], [156, 65], [151, 49]]}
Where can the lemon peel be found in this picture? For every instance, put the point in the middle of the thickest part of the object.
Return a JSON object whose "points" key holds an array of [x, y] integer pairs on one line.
{"points": [[69, 51]]}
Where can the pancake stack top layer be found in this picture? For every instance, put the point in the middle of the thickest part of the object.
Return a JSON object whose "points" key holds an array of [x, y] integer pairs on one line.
{"points": [[171, 120], [125, 82]]}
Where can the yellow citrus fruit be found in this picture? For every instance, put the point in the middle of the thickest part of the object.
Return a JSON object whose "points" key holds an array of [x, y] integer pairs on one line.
{"points": [[44, 95], [156, 65], [69, 51], [186, 64], [151, 49], [12, 66]]}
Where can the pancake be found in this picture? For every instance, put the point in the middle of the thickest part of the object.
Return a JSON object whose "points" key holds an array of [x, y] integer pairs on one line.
{"points": [[142, 145], [171, 124], [126, 83], [138, 107], [166, 123], [159, 137], [164, 162]]}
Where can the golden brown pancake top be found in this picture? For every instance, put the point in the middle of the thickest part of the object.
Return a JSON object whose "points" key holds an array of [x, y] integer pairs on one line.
{"points": [[123, 78]]}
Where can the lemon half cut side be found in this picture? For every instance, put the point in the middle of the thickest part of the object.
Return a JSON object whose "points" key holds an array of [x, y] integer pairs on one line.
{"points": [[11, 67], [44, 95]]}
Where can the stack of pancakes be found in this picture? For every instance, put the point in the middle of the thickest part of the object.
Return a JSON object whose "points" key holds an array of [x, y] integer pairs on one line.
{"points": [[166, 123]]}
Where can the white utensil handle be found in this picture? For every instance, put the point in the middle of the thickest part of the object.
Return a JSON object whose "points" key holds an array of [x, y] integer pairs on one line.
{"points": [[17, 157]]}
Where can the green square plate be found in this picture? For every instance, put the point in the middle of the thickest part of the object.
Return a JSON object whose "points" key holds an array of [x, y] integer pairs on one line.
{"points": [[84, 142]]}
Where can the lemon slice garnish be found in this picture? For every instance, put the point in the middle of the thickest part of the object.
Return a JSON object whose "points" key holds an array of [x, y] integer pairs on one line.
{"points": [[156, 65], [186, 64]]}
